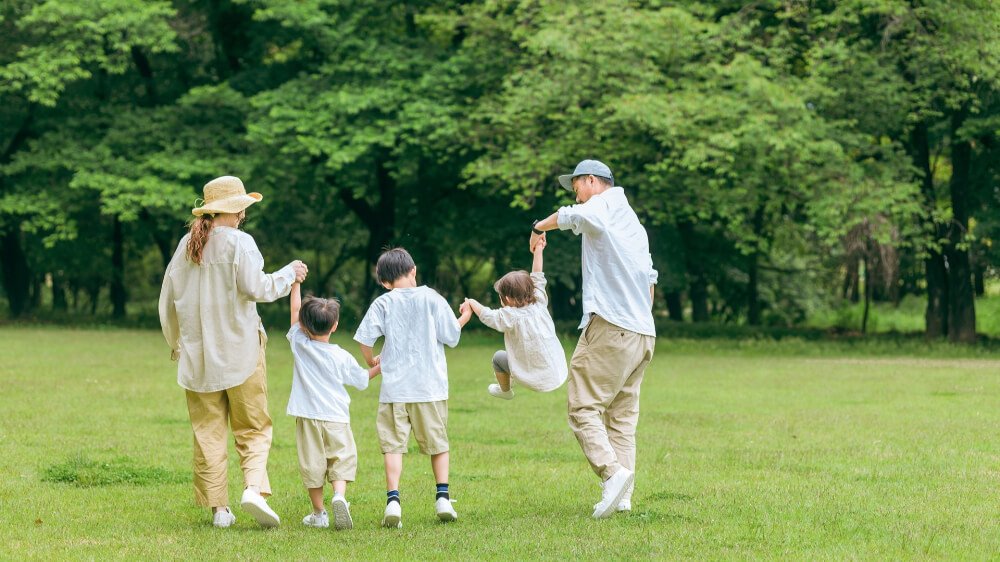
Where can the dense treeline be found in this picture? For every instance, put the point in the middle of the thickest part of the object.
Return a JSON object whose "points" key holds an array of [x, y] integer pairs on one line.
{"points": [[779, 151]]}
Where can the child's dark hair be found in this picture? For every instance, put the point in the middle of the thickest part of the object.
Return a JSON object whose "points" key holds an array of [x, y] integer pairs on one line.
{"points": [[517, 288], [318, 315], [393, 264]]}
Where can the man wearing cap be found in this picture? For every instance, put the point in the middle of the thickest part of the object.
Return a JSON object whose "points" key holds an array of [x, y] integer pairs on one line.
{"points": [[208, 312], [618, 333]]}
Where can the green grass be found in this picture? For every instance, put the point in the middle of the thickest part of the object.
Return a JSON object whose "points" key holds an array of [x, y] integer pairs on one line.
{"points": [[747, 449]]}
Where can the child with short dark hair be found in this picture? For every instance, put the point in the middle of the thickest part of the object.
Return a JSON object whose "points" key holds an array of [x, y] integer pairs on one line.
{"points": [[417, 323], [533, 355], [320, 404]]}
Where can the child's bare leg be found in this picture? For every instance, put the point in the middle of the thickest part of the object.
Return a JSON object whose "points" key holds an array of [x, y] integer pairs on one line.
{"points": [[503, 379], [316, 495], [439, 463], [393, 470], [340, 487]]}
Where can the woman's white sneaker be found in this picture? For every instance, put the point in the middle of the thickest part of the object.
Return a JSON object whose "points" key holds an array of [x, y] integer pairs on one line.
{"points": [[254, 504], [223, 519]]}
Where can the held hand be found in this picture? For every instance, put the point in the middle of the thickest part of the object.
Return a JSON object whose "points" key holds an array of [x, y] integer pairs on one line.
{"points": [[377, 361], [474, 306], [464, 318], [539, 244], [300, 271], [533, 241], [464, 307]]}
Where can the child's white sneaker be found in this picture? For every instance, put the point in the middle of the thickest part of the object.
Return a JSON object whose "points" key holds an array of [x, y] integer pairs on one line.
{"points": [[254, 504], [223, 519], [445, 510], [495, 391], [393, 516], [320, 521], [341, 514]]}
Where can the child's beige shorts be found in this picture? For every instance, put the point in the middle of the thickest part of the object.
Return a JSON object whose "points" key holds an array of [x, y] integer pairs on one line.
{"points": [[326, 452], [429, 421]]}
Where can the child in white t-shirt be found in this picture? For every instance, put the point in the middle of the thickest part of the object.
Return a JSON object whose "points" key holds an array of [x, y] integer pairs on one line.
{"points": [[534, 357], [417, 323], [320, 404]]}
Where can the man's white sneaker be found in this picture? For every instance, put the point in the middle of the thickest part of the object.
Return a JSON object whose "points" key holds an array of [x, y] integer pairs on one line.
{"points": [[223, 519], [614, 488], [255, 505], [445, 510], [495, 391], [341, 514], [393, 516], [626, 503], [321, 521]]}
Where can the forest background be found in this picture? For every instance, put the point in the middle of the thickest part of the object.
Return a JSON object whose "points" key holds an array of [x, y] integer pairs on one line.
{"points": [[793, 161]]}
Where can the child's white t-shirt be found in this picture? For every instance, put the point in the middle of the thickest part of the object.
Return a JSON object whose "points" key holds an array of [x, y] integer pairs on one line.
{"points": [[319, 374], [535, 356], [417, 323]]}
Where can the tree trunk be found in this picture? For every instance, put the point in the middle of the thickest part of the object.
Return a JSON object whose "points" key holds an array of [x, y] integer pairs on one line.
{"points": [[16, 275], [380, 219], [979, 279], [118, 296], [850, 287], [94, 292], [936, 313], [37, 282], [59, 302], [13, 263], [753, 272], [675, 306], [753, 302], [868, 296], [561, 299], [961, 295], [697, 282]]}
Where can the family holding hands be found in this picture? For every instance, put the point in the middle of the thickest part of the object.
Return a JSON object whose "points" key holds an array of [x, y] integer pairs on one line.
{"points": [[208, 314]]}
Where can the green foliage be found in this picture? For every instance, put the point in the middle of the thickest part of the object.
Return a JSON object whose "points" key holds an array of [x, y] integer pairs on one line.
{"points": [[65, 42], [752, 138]]}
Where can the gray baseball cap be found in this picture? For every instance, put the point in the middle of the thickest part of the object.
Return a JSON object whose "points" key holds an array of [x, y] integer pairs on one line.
{"points": [[586, 168]]}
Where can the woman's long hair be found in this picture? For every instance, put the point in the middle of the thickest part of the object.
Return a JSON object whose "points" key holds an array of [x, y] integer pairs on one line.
{"points": [[200, 229]]}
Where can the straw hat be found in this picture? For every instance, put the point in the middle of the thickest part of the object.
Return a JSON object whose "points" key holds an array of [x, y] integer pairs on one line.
{"points": [[225, 195]]}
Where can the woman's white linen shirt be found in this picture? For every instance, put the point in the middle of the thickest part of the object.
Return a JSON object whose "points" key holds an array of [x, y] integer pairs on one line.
{"points": [[208, 312]]}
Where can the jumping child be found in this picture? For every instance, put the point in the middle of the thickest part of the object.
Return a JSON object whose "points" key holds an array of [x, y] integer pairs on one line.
{"points": [[533, 357]]}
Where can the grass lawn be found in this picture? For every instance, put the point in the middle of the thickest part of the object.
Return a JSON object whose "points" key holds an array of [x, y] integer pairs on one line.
{"points": [[746, 450]]}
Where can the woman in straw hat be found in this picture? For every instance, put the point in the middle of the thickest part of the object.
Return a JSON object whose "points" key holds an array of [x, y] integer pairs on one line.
{"points": [[208, 313]]}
